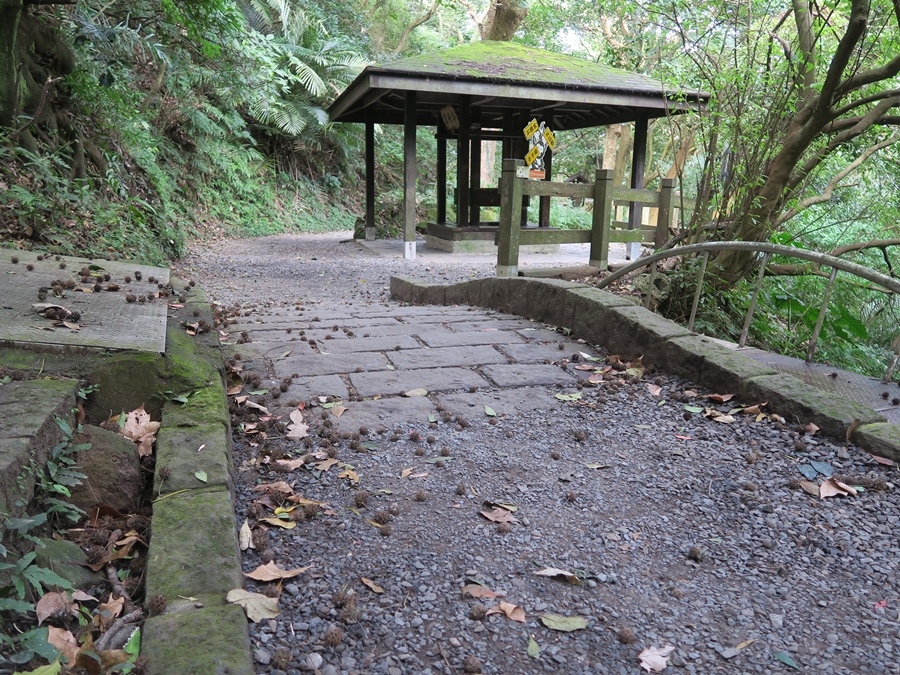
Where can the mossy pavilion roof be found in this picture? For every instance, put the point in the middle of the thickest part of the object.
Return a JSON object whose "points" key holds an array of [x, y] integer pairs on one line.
{"points": [[500, 77]]}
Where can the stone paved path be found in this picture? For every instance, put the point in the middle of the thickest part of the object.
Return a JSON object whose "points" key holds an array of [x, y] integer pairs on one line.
{"points": [[379, 353]]}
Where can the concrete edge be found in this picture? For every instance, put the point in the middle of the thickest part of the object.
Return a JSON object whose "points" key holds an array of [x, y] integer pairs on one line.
{"points": [[207, 635], [603, 318]]}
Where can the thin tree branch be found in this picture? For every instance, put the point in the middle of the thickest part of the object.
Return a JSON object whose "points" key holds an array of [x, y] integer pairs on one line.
{"points": [[856, 28], [887, 71], [828, 192], [865, 100], [404, 37], [479, 23]]}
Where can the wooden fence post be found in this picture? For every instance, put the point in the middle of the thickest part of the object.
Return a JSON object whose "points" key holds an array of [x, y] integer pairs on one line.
{"points": [[665, 217], [603, 179], [510, 216]]}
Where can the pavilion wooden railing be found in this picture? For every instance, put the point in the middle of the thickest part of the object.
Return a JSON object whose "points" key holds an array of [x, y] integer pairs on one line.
{"points": [[604, 229]]}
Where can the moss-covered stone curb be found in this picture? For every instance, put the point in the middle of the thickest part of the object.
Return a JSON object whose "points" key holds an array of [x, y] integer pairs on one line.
{"points": [[194, 547], [171, 641], [194, 559], [624, 328], [183, 451]]}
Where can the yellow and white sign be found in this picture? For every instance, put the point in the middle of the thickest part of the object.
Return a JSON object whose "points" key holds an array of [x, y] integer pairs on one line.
{"points": [[540, 138]]}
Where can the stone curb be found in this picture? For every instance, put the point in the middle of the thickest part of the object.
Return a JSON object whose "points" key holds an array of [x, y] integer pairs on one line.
{"points": [[194, 558], [627, 329]]}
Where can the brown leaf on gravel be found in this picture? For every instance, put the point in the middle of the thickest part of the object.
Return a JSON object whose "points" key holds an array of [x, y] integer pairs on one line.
{"points": [[326, 464], [371, 585], [278, 491], [299, 499], [54, 604], [278, 522], [478, 591], [558, 573], [754, 409], [271, 572], [514, 612], [290, 464], [297, 430], [810, 429], [834, 488], [256, 406], [654, 389], [883, 460], [655, 658], [498, 515], [720, 398], [810, 487]]}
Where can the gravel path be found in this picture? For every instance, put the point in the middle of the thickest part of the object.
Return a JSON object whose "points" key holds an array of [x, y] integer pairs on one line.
{"points": [[678, 530]]}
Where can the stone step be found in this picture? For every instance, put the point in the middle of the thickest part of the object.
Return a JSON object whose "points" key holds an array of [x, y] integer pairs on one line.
{"points": [[28, 432]]}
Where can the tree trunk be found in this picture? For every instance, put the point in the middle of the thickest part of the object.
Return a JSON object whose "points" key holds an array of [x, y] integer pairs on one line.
{"points": [[10, 12], [503, 20]]}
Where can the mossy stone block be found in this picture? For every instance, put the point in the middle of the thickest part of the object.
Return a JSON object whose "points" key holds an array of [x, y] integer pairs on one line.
{"points": [[727, 371], [206, 641], [127, 381], [548, 300], [635, 331], [458, 294], [28, 430], [589, 313], [797, 401], [194, 549], [880, 438], [207, 405], [188, 366], [185, 450], [511, 295], [408, 289], [435, 294]]}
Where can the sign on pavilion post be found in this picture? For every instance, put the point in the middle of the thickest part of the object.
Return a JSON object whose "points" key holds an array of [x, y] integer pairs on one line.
{"points": [[540, 138]]}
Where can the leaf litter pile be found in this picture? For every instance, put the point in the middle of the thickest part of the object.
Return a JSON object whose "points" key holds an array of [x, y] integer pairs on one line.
{"points": [[641, 522], [96, 628]]}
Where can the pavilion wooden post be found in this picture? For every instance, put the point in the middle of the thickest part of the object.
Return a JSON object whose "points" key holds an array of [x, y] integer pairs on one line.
{"points": [[603, 183], [370, 176], [638, 160], [409, 177], [463, 145], [475, 175], [510, 208], [665, 217], [441, 174], [544, 209]]}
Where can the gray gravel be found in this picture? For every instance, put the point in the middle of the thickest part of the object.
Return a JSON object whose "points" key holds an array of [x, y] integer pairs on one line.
{"points": [[691, 533]]}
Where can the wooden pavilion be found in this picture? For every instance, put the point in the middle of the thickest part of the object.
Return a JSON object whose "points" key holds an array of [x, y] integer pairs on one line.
{"points": [[491, 91]]}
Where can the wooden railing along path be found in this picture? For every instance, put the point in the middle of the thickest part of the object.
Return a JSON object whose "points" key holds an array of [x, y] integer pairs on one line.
{"points": [[604, 230]]}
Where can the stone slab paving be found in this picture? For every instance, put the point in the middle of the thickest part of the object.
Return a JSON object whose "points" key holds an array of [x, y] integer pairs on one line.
{"points": [[464, 357]]}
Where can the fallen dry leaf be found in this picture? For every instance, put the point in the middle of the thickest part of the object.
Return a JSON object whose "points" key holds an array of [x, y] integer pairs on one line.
{"points": [[883, 460], [270, 572], [754, 409], [64, 641], [245, 536], [338, 410], [479, 591], [350, 475], [720, 398], [326, 464], [514, 612], [375, 588], [566, 624], [564, 574], [810, 487], [54, 604], [407, 472], [654, 390], [108, 611], [810, 429], [499, 515], [833, 488], [655, 658], [290, 464], [413, 393], [297, 430], [255, 605], [256, 406], [278, 522], [141, 430]]}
